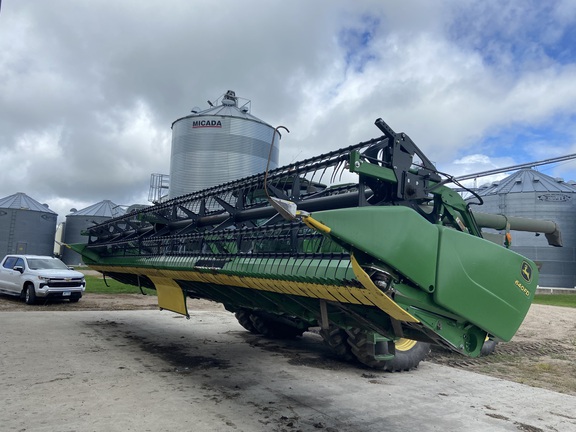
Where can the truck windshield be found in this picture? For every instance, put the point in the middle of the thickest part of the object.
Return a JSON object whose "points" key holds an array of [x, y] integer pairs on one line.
{"points": [[46, 263]]}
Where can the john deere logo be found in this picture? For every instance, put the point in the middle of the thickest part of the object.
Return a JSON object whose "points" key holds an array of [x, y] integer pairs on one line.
{"points": [[526, 271]]}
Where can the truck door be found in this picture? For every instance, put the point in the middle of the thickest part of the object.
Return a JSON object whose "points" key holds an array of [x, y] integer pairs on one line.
{"points": [[10, 277]]}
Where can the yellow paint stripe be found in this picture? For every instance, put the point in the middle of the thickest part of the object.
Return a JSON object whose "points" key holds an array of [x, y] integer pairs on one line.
{"points": [[370, 295], [346, 294], [315, 225], [285, 288]]}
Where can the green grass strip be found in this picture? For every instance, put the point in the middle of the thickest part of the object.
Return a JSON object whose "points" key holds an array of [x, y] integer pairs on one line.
{"points": [[566, 300], [96, 285]]}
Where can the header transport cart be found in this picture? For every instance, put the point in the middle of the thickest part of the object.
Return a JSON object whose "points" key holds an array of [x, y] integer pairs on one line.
{"points": [[386, 265]]}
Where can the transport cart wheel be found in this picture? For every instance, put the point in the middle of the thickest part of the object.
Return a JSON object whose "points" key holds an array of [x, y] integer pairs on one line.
{"points": [[274, 329], [337, 339], [243, 317], [408, 353]]}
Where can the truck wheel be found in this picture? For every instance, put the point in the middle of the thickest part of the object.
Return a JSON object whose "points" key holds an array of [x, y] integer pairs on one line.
{"points": [[274, 329], [74, 299], [243, 317], [408, 353], [337, 339], [29, 294]]}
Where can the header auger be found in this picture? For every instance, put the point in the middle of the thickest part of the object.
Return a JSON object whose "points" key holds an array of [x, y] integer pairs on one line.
{"points": [[385, 265]]}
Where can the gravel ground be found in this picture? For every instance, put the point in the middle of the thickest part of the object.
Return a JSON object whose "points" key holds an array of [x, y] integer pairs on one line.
{"points": [[542, 354], [145, 370]]}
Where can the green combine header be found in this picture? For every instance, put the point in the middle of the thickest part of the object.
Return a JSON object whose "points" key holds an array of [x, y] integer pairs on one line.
{"points": [[385, 265]]}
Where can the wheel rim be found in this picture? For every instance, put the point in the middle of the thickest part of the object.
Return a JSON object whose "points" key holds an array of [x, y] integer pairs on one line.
{"points": [[404, 344]]}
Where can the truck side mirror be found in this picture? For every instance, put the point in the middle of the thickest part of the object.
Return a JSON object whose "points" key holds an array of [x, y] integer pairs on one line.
{"points": [[18, 269]]}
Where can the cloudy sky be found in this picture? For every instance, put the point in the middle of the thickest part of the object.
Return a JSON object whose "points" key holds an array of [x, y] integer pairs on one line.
{"points": [[89, 89]]}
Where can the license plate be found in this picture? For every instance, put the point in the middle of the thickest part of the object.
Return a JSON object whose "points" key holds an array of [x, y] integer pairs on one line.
{"points": [[66, 293]]}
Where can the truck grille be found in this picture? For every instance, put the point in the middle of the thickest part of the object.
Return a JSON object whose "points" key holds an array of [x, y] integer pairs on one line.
{"points": [[62, 283]]}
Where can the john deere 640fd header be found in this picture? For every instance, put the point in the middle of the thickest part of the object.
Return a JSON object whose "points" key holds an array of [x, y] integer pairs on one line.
{"points": [[385, 265]]}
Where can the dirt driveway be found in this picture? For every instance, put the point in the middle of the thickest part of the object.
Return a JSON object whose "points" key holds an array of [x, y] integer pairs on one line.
{"points": [[542, 354]]}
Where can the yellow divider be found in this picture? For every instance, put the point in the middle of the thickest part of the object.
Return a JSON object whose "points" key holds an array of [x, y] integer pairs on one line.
{"points": [[170, 295], [381, 300]]}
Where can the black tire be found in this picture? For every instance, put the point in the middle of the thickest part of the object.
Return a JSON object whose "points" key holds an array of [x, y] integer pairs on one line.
{"points": [[74, 299], [362, 349], [488, 348], [337, 339], [243, 317], [408, 353], [29, 294], [274, 329]]}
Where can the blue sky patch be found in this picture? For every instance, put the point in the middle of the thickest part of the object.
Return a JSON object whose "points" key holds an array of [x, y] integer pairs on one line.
{"points": [[525, 143], [515, 37], [356, 42]]}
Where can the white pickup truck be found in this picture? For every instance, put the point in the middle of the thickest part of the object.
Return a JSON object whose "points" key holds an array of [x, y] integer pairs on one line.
{"points": [[32, 277]]}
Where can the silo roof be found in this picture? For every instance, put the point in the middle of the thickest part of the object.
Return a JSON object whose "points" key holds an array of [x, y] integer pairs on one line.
{"points": [[526, 180], [21, 201], [224, 111], [104, 208], [229, 111], [227, 107]]}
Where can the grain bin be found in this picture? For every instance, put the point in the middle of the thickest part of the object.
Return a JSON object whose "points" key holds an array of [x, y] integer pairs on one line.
{"points": [[26, 226], [222, 143], [531, 194], [79, 220]]}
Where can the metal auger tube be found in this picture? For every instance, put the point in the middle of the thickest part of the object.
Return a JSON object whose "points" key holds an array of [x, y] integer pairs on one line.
{"points": [[499, 222]]}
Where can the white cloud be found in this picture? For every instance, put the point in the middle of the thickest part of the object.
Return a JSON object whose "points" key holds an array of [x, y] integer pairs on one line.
{"points": [[88, 90]]}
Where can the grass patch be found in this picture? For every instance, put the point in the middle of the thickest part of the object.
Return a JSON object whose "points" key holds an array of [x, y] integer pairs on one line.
{"points": [[566, 300], [543, 367], [96, 285]]}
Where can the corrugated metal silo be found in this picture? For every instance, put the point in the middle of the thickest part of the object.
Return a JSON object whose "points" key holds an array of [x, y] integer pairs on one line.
{"points": [[80, 220], [217, 145], [531, 194], [26, 226]]}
